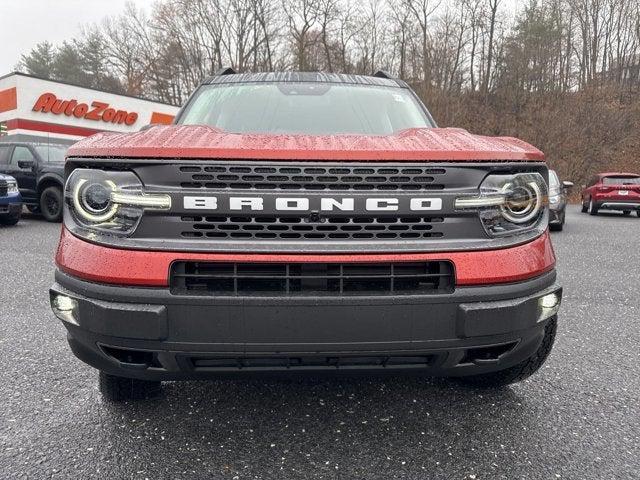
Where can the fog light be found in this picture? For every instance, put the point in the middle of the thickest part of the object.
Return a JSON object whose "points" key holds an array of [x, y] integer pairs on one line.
{"points": [[64, 307], [549, 306]]}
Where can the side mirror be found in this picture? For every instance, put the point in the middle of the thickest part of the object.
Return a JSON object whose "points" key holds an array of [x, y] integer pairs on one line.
{"points": [[567, 185], [26, 164]]}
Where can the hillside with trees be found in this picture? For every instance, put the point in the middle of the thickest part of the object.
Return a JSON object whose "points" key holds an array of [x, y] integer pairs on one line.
{"points": [[561, 74]]}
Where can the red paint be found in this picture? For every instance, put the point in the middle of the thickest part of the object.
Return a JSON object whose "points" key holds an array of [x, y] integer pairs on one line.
{"points": [[197, 141], [99, 111], [50, 127], [8, 99], [145, 268]]}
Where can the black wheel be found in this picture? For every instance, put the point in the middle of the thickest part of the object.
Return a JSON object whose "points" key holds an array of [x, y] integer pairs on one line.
{"points": [[556, 227], [585, 207], [9, 219], [118, 389], [33, 208], [593, 210], [638, 213], [51, 204], [520, 371], [626, 212]]}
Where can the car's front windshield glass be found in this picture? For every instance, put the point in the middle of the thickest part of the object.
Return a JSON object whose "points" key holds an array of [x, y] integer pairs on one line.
{"points": [[305, 108], [553, 179], [52, 153], [621, 181]]}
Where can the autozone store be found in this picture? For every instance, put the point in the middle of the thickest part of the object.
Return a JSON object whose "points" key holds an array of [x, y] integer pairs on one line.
{"points": [[37, 110]]}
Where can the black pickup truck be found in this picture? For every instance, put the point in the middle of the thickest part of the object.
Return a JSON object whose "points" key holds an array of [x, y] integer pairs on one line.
{"points": [[39, 171]]}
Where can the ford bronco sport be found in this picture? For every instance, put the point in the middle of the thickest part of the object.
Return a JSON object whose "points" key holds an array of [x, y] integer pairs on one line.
{"points": [[305, 222]]}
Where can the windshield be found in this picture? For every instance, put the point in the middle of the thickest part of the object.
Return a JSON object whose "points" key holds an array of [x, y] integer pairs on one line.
{"points": [[305, 108], [52, 153], [621, 181]]}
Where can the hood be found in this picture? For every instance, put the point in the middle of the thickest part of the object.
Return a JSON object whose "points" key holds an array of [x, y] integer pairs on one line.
{"points": [[198, 141]]}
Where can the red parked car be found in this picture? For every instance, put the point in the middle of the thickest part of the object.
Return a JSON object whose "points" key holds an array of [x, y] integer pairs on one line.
{"points": [[612, 191]]}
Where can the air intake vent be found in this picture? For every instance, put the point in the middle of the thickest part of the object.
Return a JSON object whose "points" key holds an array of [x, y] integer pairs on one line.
{"points": [[301, 228], [290, 279], [315, 178]]}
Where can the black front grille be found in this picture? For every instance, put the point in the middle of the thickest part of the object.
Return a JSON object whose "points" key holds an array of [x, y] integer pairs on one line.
{"points": [[212, 363], [314, 178], [4, 188], [290, 279], [353, 229], [301, 227]]}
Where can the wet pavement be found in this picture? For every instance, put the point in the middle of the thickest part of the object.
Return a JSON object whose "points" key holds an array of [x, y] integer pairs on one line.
{"points": [[577, 418]]}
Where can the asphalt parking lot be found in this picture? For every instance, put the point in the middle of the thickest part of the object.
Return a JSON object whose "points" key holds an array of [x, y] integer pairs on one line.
{"points": [[577, 418]]}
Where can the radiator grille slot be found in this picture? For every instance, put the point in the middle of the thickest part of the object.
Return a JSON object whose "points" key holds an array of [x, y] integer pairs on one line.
{"points": [[310, 362], [299, 227], [246, 279], [4, 188], [316, 178]]}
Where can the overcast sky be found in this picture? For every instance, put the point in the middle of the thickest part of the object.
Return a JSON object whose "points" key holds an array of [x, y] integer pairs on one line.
{"points": [[24, 23]]}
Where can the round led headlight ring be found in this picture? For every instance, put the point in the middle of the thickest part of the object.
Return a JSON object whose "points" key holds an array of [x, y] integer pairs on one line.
{"points": [[92, 201], [522, 202]]}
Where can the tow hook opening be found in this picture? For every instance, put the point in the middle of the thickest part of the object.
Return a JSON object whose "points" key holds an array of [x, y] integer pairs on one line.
{"points": [[487, 355], [137, 359]]}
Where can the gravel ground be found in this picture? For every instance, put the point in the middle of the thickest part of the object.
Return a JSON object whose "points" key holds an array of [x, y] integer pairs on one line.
{"points": [[577, 418]]}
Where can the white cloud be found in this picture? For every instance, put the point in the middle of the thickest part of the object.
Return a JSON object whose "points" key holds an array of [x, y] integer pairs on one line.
{"points": [[24, 23]]}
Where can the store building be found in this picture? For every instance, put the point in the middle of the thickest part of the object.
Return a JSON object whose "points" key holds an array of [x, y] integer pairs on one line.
{"points": [[38, 110]]}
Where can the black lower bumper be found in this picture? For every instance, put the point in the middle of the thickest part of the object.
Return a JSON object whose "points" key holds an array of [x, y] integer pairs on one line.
{"points": [[620, 205], [10, 209], [556, 216], [149, 333]]}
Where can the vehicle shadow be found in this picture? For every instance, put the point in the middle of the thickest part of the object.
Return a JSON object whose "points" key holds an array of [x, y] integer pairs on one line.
{"points": [[322, 420]]}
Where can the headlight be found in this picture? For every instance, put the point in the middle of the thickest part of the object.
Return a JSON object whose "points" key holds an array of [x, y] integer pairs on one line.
{"points": [[12, 187], [509, 204], [108, 202]]}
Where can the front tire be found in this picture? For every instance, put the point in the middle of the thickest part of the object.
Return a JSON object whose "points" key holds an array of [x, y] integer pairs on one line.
{"points": [[585, 207], [9, 220], [119, 389], [518, 372], [51, 204]]}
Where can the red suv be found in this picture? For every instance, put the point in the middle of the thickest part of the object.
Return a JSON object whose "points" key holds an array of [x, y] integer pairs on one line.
{"points": [[305, 222], [612, 191]]}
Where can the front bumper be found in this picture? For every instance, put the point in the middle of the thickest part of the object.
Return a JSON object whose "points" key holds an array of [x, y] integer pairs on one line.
{"points": [[10, 209], [149, 333], [556, 215]]}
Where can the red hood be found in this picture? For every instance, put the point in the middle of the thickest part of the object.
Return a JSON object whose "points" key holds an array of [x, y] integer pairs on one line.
{"points": [[195, 141]]}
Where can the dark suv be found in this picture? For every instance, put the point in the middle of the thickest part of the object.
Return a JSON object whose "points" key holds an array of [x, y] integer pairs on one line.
{"points": [[39, 171]]}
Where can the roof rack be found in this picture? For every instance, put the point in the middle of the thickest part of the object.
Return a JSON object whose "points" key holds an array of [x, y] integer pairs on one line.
{"points": [[224, 71], [384, 74]]}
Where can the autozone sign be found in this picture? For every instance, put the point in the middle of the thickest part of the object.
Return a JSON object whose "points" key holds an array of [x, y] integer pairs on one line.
{"points": [[96, 111]]}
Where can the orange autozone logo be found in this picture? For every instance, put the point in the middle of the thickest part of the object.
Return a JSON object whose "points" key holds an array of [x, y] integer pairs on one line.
{"points": [[97, 111]]}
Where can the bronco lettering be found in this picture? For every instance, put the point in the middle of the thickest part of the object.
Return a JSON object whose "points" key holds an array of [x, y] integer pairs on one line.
{"points": [[325, 204]]}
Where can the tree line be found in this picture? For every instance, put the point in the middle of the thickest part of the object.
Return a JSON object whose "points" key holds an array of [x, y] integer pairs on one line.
{"points": [[562, 74]]}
